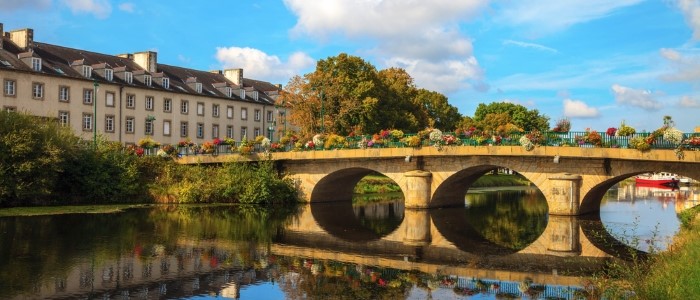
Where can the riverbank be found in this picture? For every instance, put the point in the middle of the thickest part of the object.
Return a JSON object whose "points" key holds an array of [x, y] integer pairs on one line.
{"points": [[672, 274]]}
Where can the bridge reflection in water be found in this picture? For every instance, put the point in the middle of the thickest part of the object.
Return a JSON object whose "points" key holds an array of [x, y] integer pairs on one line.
{"points": [[429, 251]]}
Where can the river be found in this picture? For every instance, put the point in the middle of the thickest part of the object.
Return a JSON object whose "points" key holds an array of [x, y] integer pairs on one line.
{"points": [[501, 245]]}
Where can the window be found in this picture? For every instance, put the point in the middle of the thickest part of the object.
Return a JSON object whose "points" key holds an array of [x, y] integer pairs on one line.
{"points": [[229, 92], [10, 87], [183, 129], [200, 130], [184, 107], [63, 93], [37, 90], [148, 124], [269, 116], [128, 77], [256, 131], [129, 124], [130, 101], [87, 71], [109, 99], [215, 110], [229, 112], [167, 105], [257, 115], [166, 128], [244, 114], [36, 64], [87, 96], [214, 131], [244, 132], [147, 80], [149, 103], [64, 118], [229, 131], [166, 83], [200, 108], [109, 123], [198, 87], [9, 108], [109, 74], [87, 122]]}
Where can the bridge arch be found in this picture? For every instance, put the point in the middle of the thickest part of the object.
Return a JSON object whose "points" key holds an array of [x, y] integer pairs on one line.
{"points": [[338, 186]]}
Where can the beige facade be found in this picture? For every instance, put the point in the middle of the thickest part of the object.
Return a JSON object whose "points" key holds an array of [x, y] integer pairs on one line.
{"points": [[135, 96]]}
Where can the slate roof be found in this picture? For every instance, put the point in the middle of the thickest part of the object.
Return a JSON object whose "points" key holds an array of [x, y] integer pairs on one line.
{"points": [[59, 61]]}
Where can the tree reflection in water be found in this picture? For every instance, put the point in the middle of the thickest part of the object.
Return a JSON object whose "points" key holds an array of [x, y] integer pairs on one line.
{"points": [[512, 218]]}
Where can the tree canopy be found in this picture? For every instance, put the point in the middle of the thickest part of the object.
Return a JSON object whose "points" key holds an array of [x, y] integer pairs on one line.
{"points": [[347, 94], [520, 116]]}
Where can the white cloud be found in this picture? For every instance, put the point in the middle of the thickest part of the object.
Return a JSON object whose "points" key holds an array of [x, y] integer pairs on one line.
{"points": [[9, 5], [127, 7], [689, 102], [684, 67], [633, 97], [422, 37], [691, 11], [100, 8], [544, 17], [579, 109], [530, 45], [258, 64]]}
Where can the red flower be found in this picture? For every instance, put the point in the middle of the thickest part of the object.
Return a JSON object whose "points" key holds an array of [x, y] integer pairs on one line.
{"points": [[139, 151], [611, 131]]}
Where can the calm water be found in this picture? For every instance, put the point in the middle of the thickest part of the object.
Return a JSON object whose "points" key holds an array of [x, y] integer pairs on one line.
{"points": [[503, 244]]}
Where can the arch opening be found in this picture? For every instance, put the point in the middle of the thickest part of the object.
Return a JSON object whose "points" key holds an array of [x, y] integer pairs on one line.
{"points": [[641, 211], [357, 217], [493, 220]]}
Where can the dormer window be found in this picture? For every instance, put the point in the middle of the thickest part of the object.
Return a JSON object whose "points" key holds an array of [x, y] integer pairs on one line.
{"points": [[166, 83], [198, 87], [229, 92], [147, 80], [128, 77], [87, 71], [109, 74], [36, 64], [242, 94]]}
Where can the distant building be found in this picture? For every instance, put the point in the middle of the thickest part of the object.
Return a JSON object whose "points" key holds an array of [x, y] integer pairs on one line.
{"points": [[135, 96]]}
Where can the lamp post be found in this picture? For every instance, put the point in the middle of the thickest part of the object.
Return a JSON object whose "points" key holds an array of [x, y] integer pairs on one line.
{"points": [[94, 113], [270, 130]]}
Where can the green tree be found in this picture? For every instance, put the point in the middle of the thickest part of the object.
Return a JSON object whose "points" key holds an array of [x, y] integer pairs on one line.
{"points": [[32, 152], [400, 108], [523, 118], [441, 114]]}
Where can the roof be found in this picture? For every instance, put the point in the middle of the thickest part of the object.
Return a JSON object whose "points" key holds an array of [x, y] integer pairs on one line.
{"points": [[60, 61]]}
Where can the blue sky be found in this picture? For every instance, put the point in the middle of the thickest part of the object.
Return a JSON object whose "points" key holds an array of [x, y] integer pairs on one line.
{"points": [[597, 62]]}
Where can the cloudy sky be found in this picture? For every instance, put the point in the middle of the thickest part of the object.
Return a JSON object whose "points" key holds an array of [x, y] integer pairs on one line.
{"points": [[598, 62]]}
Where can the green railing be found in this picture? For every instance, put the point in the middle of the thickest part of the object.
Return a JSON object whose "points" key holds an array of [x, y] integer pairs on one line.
{"points": [[691, 141]]}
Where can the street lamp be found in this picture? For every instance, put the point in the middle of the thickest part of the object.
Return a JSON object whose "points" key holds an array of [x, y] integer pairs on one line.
{"points": [[270, 130], [94, 113]]}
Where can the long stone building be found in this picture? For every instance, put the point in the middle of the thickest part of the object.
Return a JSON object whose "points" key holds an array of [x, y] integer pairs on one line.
{"points": [[131, 96]]}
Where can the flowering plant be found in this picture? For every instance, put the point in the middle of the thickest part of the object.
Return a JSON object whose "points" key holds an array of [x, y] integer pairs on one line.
{"points": [[693, 141], [147, 142], [385, 134], [625, 130], [397, 134], [673, 135], [563, 125], [412, 141], [449, 139], [611, 131], [208, 147], [318, 139], [535, 137], [639, 143], [265, 143], [526, 143], [168, 149], [310, 145], [217, 141]]}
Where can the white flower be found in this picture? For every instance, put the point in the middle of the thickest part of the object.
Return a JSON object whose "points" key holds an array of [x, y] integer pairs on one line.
{"points": [[265, 143], [526, 143], [673, 135], [318, 139], [436, 135]]}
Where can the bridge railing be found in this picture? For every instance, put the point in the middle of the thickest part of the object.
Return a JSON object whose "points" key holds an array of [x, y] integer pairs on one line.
{"points": [[690, 141]]}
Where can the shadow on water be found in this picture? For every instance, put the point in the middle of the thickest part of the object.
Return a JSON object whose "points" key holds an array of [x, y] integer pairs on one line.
{"points": [[359, 222]]}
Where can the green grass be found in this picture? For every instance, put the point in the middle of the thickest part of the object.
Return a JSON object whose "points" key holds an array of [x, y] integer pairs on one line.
{"points": [[57, 210], [500, 180]]}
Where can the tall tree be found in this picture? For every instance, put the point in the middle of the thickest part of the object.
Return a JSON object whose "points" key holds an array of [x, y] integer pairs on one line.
{"points": [[399, 106], [304, 106], [441, 114], [522, 117]]}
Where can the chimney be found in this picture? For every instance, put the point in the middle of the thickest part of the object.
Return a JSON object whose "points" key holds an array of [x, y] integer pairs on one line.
{"points": [[147, 60], [128, 56], [235, 75], [216, 72], [23, 38]]}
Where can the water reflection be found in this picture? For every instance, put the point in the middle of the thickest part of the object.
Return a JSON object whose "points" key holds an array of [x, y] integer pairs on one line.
{"points": [[500, 245], [645, 217]]}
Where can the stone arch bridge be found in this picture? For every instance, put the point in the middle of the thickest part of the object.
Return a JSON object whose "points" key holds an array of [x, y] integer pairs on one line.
{"points": [[573, 180]]}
